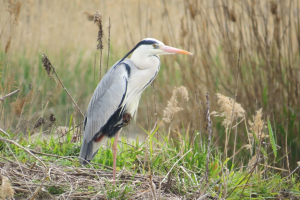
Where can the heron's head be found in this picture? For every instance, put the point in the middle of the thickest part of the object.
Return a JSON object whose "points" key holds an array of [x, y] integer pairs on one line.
{"points": [[151, 46], [145, 52]]}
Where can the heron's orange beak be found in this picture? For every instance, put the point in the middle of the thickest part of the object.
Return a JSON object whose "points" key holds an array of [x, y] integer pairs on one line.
{"points": [[173, 50]]}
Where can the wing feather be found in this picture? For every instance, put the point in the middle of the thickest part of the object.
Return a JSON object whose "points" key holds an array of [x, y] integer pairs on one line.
{"points": [[107, 98]]}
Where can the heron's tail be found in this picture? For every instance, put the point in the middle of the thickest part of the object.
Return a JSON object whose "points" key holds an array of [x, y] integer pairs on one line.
{"points": [[88, 150]]}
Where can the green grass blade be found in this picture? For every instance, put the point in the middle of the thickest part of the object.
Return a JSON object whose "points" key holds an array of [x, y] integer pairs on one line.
{"points": [[272, 139]]}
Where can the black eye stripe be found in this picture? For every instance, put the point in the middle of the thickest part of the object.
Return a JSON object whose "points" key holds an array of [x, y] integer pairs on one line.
{"points": [[151, 42]]}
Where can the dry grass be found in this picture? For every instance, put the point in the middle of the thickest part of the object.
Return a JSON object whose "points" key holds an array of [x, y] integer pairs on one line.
{"points": [[229, 110], [172, 107], [72, 182], [18, 106], [257, 125]]}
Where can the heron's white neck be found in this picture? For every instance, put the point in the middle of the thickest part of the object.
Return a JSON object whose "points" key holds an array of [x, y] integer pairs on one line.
{"points": [[144, 61]]}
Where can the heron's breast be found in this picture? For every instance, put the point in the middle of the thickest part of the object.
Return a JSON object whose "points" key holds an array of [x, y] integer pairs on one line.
{"points": [[137, 83]]}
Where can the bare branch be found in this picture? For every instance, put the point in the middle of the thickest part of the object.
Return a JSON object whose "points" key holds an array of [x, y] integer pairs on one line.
{"points": [[8, 95]]}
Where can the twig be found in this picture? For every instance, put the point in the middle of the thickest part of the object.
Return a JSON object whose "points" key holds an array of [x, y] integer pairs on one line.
{"points": [[4, 132], [48, 66], [289, 175], [8, 95], [228, 131], [148, 114], [77, 126], [209, 129], [108, 47], [39, 188], [152, 185], [155, 106], [95, 70], [232, 112], [52, 155], [235, 135], [274, 167], [199, 112], [204, 196]]}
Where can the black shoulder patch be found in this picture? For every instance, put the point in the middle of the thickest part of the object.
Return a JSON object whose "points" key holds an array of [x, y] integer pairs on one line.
{"points": [[128, 69]]}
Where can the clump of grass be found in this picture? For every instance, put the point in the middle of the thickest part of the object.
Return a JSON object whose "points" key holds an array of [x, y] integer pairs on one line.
{"points": [[55, 190]]}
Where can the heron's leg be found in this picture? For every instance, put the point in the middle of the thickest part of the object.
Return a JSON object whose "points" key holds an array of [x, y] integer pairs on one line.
{"points": [[115, 149]]}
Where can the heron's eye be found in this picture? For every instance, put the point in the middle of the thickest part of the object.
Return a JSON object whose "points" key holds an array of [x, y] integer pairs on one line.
{"points": [[154, 45]]}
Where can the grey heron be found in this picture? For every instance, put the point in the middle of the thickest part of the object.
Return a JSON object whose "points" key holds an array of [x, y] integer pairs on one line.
{"points": [[116, 98]]}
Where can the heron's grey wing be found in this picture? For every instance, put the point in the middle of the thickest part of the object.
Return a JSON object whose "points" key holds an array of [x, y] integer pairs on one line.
{"points": [[107, 98]]}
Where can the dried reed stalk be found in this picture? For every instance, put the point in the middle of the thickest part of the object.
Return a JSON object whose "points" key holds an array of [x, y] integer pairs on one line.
{"points": [[98, 20], [108, 45], [48, 66], [209, 130], [148, 112], [236, 90], [199, 111], [10, 94], [95, 70]]}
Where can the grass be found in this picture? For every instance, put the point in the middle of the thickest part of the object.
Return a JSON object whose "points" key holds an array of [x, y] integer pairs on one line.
{"points": [[182, 167], [266, 33]]}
